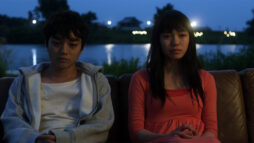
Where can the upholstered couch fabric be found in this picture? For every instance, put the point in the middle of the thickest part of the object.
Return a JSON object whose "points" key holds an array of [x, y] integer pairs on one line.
{"points": [[230, 108], [247, 76], [235, 105]]}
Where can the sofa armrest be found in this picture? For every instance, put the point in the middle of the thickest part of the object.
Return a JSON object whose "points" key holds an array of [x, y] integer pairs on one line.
{"points": [[247, 76]]}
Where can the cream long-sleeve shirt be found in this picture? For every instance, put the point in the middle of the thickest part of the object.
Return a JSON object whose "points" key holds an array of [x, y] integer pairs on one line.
{"points": [[60, 105]]}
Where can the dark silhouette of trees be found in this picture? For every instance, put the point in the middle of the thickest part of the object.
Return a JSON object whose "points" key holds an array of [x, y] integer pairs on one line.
{"points": [[89, 17], [250, 23], [161, 11], [12, 21], [129, 23], [49, 7]]}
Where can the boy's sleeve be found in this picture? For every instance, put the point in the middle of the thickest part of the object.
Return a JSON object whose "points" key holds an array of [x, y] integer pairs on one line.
{"points": [[15, 123]]}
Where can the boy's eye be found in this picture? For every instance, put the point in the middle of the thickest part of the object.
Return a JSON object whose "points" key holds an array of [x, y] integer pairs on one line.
{"points": [[166, 35], [73, 44], [56, 43]]}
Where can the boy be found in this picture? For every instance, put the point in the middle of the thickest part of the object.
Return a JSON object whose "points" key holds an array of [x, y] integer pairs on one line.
{"points": [[63, 101]]}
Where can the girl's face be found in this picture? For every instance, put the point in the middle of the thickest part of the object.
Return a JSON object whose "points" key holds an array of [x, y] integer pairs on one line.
{"points": [[175, 44]]}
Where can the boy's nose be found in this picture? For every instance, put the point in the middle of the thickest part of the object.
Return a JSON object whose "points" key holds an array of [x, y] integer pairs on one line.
{"points": [[64, 47]]}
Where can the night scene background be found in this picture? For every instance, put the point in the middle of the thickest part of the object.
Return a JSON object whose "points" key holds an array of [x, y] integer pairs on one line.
{"points": [[120, 31]]}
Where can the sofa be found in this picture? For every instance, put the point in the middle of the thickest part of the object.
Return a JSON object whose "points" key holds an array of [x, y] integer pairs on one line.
{"points": [[235, 105]]}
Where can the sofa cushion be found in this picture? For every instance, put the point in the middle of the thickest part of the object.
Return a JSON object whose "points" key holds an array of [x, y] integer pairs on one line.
{"points": [[247, 76], [230, 107]]}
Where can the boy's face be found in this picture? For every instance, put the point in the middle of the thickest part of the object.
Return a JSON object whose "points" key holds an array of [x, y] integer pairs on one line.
{"points": [[64, 52]]}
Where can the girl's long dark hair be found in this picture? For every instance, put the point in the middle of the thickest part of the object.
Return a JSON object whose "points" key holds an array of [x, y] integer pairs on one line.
{"points": [[189, 64]]}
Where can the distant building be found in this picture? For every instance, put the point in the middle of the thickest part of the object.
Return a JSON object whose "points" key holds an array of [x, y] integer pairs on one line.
{"points": [[129, 23]]}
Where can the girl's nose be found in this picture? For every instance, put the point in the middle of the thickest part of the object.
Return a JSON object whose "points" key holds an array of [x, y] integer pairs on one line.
{"points": [[175, 39]]}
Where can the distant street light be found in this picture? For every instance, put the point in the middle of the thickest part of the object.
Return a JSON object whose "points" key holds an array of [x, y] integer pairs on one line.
{"points": [[109, 22], [148, 22], [34, 21], [194, 24], [198, 34], [139, 32], [230, 33]]}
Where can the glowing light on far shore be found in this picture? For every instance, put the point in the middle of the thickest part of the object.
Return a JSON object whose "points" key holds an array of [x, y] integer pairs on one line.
{"points": [[139, 32], [34, 21], [194, 24], [232, 33], [109, 22], [229, 33], [198, 34], [148, 22]]}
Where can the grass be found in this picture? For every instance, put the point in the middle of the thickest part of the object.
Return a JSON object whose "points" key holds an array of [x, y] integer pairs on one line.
{"points": [[210, 61], [118, 68], [4, 55], [237, 61]]}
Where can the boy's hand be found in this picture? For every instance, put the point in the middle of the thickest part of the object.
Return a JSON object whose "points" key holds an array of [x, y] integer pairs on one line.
{"points": [[46, 139]]}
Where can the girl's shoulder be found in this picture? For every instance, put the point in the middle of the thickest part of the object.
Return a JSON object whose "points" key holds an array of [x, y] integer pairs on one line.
{"points": [[205, 74], [141, 74], [206, 78]]}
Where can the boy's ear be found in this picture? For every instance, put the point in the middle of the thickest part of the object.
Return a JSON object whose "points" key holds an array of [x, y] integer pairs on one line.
{"points": [[84, 46]]}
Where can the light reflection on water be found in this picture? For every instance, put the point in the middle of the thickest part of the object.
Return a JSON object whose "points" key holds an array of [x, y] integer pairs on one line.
{"points": [[34, 56], [109, 48], [26, 55]]}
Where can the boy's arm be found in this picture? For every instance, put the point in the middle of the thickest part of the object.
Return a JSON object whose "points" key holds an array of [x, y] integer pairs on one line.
{"points": [[16, 126]]}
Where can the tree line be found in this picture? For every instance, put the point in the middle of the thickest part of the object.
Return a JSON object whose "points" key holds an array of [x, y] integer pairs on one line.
{"points": [[21, 30]]}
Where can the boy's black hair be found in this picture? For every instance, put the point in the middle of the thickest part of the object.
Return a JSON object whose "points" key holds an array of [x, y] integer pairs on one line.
{"points": [[63, 23]]}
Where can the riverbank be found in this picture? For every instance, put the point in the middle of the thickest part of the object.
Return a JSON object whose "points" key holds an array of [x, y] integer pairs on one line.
{"points": [[118, 59], [34, 35]]}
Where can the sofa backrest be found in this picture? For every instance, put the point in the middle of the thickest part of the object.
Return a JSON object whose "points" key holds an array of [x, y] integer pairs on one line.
{"points": [[235, 105], [232, 126], [247, 77]]}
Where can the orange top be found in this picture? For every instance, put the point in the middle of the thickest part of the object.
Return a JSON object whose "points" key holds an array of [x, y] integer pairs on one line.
{"points": [[146, 112]]}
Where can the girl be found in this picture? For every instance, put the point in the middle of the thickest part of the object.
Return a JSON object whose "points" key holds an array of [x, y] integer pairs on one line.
{"points": [[172, 99]]}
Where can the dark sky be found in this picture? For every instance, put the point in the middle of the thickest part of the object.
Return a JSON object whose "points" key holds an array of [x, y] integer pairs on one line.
{"points": [[217, 14]]}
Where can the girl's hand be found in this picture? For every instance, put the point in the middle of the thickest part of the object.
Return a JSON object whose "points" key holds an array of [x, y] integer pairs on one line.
{"points": [[185, 131]]}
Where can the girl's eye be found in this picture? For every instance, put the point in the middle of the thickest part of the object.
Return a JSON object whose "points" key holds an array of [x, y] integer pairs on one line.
{"points": [[183, 35]]}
